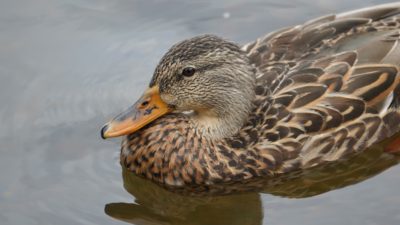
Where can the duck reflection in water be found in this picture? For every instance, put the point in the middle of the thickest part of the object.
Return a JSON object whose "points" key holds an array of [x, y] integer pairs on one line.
{"points": [[240, 203]]}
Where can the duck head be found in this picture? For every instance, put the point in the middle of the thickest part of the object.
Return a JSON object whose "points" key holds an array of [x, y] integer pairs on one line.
{"points": [[208, 79]]}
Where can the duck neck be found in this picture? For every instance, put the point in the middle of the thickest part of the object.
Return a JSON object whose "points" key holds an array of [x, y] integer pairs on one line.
{"points": [[224, 121]]}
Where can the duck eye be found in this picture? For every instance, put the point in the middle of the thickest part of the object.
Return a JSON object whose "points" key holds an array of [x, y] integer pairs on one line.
{"points": [[188, 71]]}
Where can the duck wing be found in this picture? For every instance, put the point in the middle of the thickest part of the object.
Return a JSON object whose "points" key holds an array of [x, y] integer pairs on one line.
{"points": [[327, 88]]}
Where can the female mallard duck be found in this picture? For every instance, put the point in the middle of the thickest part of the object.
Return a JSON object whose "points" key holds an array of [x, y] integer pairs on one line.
{"points": [[296, 98]]}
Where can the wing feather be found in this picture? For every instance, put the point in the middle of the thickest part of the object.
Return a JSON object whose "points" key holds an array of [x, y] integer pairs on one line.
{"points": [[328, 88]]}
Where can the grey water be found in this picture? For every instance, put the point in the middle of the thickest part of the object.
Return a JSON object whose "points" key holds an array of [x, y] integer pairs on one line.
{"points": [[66, 67]]}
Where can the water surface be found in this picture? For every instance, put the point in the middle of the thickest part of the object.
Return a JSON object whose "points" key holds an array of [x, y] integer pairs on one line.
{"points": [[68, 66]]}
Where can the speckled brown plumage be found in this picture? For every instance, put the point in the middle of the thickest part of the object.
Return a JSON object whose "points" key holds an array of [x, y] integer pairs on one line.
{"points": [[324, 90]]}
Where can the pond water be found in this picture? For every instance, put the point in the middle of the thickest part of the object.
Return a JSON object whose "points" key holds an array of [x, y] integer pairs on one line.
{"points": [[66, 67]]}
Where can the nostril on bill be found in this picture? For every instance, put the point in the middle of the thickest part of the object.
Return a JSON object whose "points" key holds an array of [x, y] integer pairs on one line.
{"points": [[145, 103]]}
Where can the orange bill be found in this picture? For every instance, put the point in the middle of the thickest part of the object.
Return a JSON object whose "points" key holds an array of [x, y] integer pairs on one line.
{"points": [[148, 108]]}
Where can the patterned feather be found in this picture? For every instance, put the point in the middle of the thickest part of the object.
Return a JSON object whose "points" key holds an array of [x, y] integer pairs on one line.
{"points": [[325, 90], [340, 103]]}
